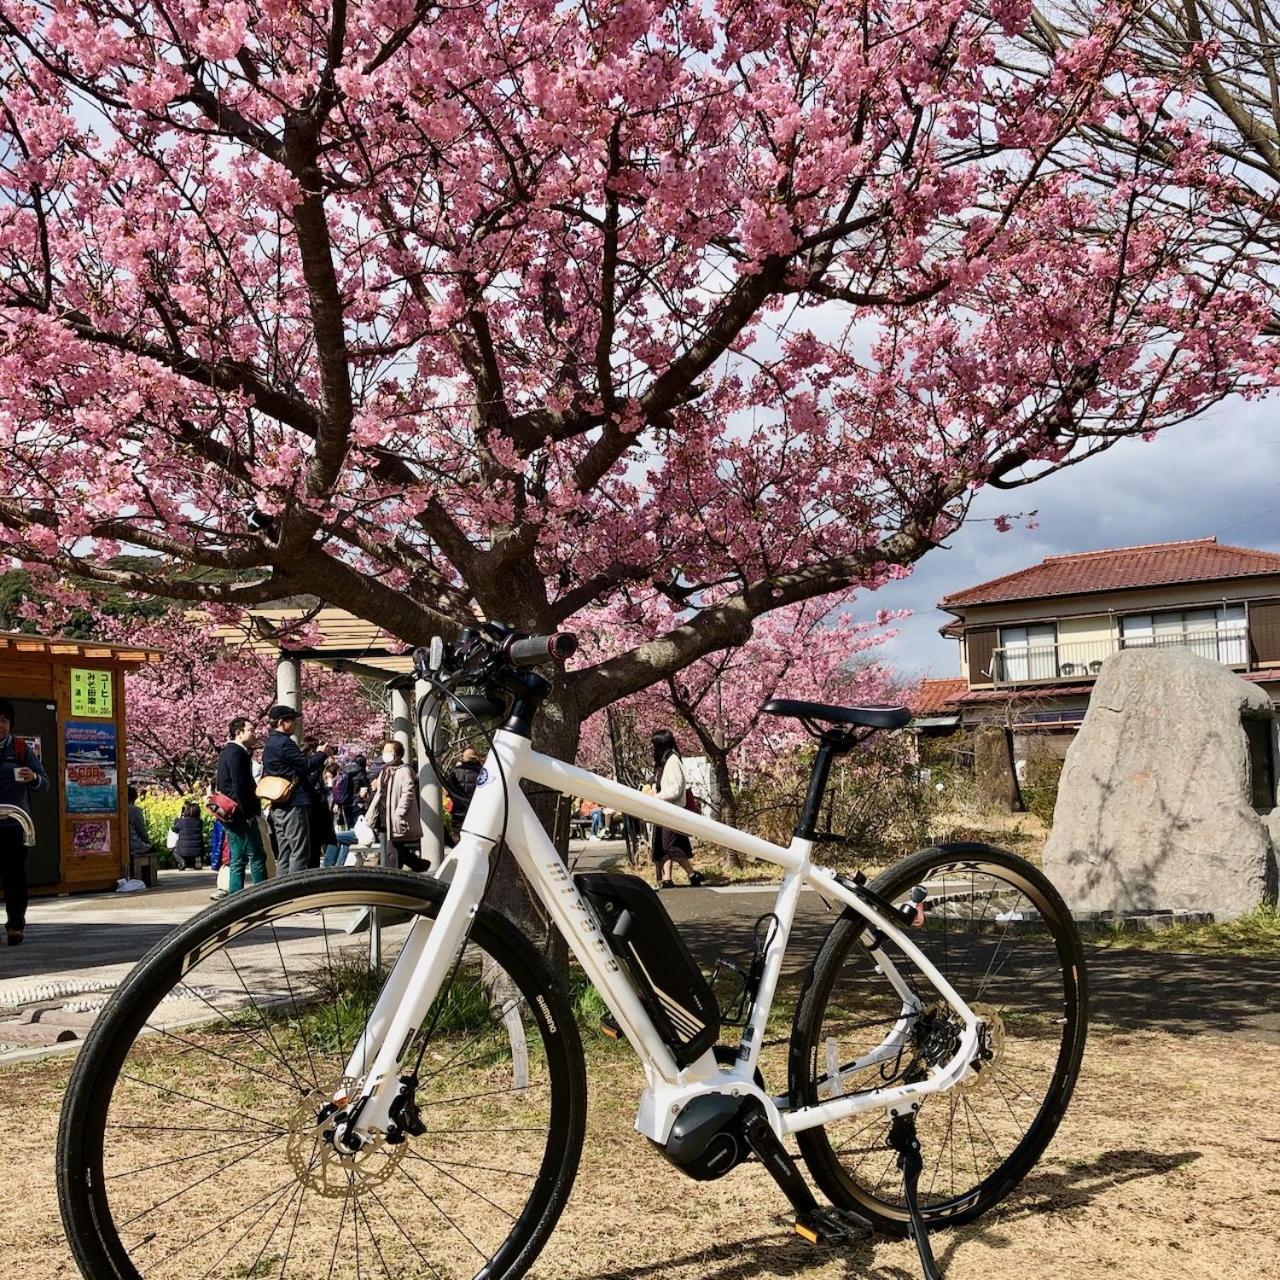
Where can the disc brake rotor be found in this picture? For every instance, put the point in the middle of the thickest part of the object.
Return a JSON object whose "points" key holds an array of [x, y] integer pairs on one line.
{"points": [[322, 1168]]}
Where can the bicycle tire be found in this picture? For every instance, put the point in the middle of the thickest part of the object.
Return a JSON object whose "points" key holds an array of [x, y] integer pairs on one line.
{"points": [[124, 1023], [845, 1188]]}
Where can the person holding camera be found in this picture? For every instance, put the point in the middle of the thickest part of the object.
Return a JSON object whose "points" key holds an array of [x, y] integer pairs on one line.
{"points": [[21, 773]]}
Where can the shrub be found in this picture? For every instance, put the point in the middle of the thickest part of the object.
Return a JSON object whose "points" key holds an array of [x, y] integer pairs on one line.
{"points": [[878, 803], [160, 809]]}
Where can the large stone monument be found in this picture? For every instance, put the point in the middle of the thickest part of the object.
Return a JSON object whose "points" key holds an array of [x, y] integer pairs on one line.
{"points": [[1156, 806]]}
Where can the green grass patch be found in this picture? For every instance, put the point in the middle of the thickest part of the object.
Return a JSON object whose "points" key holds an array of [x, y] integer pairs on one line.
{"points": [[1255, 934]]}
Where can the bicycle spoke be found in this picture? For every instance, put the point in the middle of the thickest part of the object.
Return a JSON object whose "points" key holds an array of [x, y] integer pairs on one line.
{"points": [[395, 1222], [431, 1201], [203, 1178], [255, 1138], [413, 1155], [177, 1093], [199, 1155], [266, 1026], [293, 999]]}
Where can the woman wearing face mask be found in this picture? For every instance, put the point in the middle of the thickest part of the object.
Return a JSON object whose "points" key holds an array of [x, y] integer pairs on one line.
{"points": [[393, 813]]}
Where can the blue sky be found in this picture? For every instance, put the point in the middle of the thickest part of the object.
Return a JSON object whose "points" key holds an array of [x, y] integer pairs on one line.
{"points": [[1217, 475]]}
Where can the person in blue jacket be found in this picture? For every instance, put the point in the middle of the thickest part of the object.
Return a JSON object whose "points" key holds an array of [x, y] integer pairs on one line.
{"points": [[21, 773]]}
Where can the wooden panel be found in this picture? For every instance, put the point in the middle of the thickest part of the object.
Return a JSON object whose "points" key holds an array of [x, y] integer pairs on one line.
{"points": [[981, 643], [25, 677], [1264, 630]]}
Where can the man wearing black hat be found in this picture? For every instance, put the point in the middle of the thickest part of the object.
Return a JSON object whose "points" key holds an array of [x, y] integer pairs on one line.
{"points": [[289, 817], [21, 773]]}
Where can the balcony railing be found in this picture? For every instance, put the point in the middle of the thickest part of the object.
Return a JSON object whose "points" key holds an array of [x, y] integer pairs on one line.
{"points": [[1083, 659]]}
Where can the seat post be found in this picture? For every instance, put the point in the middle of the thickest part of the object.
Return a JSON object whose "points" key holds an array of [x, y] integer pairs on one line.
{"points": [[807, 825]]}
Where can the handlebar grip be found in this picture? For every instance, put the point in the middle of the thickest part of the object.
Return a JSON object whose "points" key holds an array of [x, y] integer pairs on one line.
{"points": [[535, 650]]}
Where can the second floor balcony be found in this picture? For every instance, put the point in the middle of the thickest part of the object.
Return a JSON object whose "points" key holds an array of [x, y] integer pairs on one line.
{"points": [[1072, 661]]}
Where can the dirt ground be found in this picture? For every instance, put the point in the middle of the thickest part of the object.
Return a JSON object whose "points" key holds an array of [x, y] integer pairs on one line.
{"points": [[1167, 1165]]}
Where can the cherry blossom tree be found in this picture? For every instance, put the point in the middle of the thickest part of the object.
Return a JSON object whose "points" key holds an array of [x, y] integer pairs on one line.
{"points": [[178, 709], [794, 652], [671, 308], [1226, 55]]}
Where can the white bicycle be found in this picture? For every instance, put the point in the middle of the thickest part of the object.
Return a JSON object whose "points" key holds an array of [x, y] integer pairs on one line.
{"points": [[367, 1072]]}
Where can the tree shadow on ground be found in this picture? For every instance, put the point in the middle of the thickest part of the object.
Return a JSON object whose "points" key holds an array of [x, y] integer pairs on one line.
{"points": [[1129, 989], [1047, 1191], [66, 946]]}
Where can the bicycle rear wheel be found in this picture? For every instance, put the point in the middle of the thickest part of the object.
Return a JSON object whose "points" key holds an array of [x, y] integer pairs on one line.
{"points": [[999, 932], [194, 1139]]}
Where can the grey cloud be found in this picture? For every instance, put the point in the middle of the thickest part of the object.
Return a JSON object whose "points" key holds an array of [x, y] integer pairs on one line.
{"points": [[1217, 475]]}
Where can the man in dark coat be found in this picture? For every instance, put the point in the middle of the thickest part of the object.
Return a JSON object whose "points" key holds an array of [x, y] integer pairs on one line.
{"points": [[321, 819], [21, 773], [291, 819], [235, 781]]}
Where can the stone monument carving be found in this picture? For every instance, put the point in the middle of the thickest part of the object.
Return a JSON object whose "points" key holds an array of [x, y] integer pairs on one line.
{"points": [[1156, 806]]}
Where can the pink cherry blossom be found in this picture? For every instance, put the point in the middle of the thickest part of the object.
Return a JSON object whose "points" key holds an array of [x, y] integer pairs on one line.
{"points": [[650, 314]]}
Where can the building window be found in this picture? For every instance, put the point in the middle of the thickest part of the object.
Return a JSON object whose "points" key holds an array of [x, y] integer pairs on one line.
{"points": [[1030, 652], [1212, 633]]}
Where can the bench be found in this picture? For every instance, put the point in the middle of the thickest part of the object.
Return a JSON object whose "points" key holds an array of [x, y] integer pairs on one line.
{"points": [[142, 866]]}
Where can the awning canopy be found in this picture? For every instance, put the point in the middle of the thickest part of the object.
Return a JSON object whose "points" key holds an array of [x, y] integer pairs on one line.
{"points": [[18, 643], [329, 636]]}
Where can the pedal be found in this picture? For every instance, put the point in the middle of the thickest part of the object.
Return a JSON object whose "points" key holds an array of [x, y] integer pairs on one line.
{"points": [[609, 1028], [829, 1225]]}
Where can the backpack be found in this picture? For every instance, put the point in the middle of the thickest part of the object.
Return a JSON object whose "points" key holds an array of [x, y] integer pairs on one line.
{"points": [[341, 793]]}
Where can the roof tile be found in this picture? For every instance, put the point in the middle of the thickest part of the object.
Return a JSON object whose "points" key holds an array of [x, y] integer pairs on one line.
{"points": [[932, 696], [1158, 564]]}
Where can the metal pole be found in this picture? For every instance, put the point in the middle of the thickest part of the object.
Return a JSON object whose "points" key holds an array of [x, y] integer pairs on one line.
{"points": [[289, 685], [430, 794], [375, 940]]}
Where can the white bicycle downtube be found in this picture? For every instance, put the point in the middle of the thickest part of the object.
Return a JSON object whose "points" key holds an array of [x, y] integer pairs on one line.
{"points": [[411, 990]]}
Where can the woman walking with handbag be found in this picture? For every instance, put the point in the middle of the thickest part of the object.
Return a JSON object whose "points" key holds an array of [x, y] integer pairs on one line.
{"points": [[670, 848]]}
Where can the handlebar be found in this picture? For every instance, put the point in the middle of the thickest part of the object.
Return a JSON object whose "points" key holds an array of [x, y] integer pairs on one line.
{"points": [[484, 652], [533, 651]]}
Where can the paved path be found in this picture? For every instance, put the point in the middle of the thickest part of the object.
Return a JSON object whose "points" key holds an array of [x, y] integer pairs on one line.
{"points": [[78, 948]]}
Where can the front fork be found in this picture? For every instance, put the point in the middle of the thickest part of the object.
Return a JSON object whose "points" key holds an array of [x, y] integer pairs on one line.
{"points": [[407, 995]]}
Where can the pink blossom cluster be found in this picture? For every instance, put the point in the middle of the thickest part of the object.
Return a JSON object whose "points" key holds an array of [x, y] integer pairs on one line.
{"points": [[672, 311]]}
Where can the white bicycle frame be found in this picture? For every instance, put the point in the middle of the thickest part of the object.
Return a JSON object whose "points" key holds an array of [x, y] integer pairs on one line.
{"points": [[499, 810]]}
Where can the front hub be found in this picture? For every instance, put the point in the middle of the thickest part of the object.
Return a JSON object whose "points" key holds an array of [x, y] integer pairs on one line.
{"points": [[321, 1162]]}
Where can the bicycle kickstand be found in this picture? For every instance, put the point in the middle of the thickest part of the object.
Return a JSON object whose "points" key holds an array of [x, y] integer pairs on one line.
{"points": [[902, 1138]]}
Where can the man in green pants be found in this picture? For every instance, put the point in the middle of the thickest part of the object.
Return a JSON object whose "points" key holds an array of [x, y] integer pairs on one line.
{"points": [[235, 780]]}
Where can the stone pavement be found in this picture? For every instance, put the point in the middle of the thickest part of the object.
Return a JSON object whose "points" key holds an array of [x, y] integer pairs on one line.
{"points": [[79, 948]]}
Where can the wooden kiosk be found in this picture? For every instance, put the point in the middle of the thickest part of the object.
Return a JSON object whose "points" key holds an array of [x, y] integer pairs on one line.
{"points": [[68, 696]]}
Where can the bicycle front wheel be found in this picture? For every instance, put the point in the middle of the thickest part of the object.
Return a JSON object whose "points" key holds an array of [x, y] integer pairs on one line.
{"points": [[999, 932], [195, 1135]]}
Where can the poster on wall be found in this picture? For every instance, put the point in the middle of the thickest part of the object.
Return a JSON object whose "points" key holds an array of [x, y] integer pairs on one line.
{"points": [[90, 693], [90, 754], [91, 839]]}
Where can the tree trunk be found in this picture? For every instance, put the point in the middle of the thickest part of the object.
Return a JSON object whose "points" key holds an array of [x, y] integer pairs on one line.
{"points": [[726, 802], [556, 733], [993, 769]]}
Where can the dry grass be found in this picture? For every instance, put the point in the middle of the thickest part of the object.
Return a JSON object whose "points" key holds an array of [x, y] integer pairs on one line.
{"points": [[1167, 1166]]}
